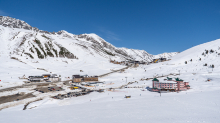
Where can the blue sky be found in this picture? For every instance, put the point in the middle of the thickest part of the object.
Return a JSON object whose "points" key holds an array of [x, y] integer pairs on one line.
{"points": [[156, 26]]}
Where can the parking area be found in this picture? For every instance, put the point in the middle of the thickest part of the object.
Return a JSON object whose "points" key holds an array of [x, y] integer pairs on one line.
{"points": [[71, 94], [76, 94], [49, 89]]}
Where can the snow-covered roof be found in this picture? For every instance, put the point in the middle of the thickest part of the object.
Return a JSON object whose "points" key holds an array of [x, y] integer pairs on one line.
{"points": [[167, 82]]}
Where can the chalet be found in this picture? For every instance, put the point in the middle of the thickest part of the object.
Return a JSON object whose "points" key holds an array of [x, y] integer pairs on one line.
{"points": [[76, 78]]}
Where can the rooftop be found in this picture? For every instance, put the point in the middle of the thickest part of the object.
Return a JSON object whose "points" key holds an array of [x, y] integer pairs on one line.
{"points": [[167, 82], [76, 76], [177, 79], [155, 79]]}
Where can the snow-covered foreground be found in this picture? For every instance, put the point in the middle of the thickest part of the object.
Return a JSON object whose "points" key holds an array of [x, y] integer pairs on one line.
{"points": [[180, 107], [199, 104]]}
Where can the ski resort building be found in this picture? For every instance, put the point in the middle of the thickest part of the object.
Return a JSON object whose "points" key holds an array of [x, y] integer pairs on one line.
{"points": [[77, 78], [36, 78], [182, 86], [45, 78], [170, 85], [51, 77]]}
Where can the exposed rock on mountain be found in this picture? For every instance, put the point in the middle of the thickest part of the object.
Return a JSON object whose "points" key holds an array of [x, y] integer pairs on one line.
{"points": [[30, 42]]}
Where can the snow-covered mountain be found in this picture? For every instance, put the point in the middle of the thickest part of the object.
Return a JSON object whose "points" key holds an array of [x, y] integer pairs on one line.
{"points": [[166, 55], [21, 39]]}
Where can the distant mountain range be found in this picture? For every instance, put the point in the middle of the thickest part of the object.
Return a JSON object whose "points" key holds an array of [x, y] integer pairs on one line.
{"points": [[19, 39]]}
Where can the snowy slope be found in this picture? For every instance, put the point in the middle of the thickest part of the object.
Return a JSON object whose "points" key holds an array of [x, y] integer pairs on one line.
{"points": [[195, 53]]}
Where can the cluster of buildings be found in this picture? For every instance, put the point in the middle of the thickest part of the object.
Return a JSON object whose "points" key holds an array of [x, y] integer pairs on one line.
{"points": [[128, 63], [159, 60], [136, 63], [117, 62], [45, 78], [169, 85], [89, 81], [83, 78]]}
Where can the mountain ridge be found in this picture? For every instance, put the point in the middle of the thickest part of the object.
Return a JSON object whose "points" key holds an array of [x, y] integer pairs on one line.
{"points": [[38, 44]]}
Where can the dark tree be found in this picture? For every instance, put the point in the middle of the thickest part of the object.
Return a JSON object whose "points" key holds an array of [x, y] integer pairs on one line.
{"points": [[213, 66], [207, 52]]}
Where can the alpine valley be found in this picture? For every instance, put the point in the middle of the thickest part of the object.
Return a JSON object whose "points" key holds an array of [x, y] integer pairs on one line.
{"points": [[63, 78]]}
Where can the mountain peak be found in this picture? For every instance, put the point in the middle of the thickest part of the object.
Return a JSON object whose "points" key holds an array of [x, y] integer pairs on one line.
{"points": [[7, 21], [62, 32]]}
